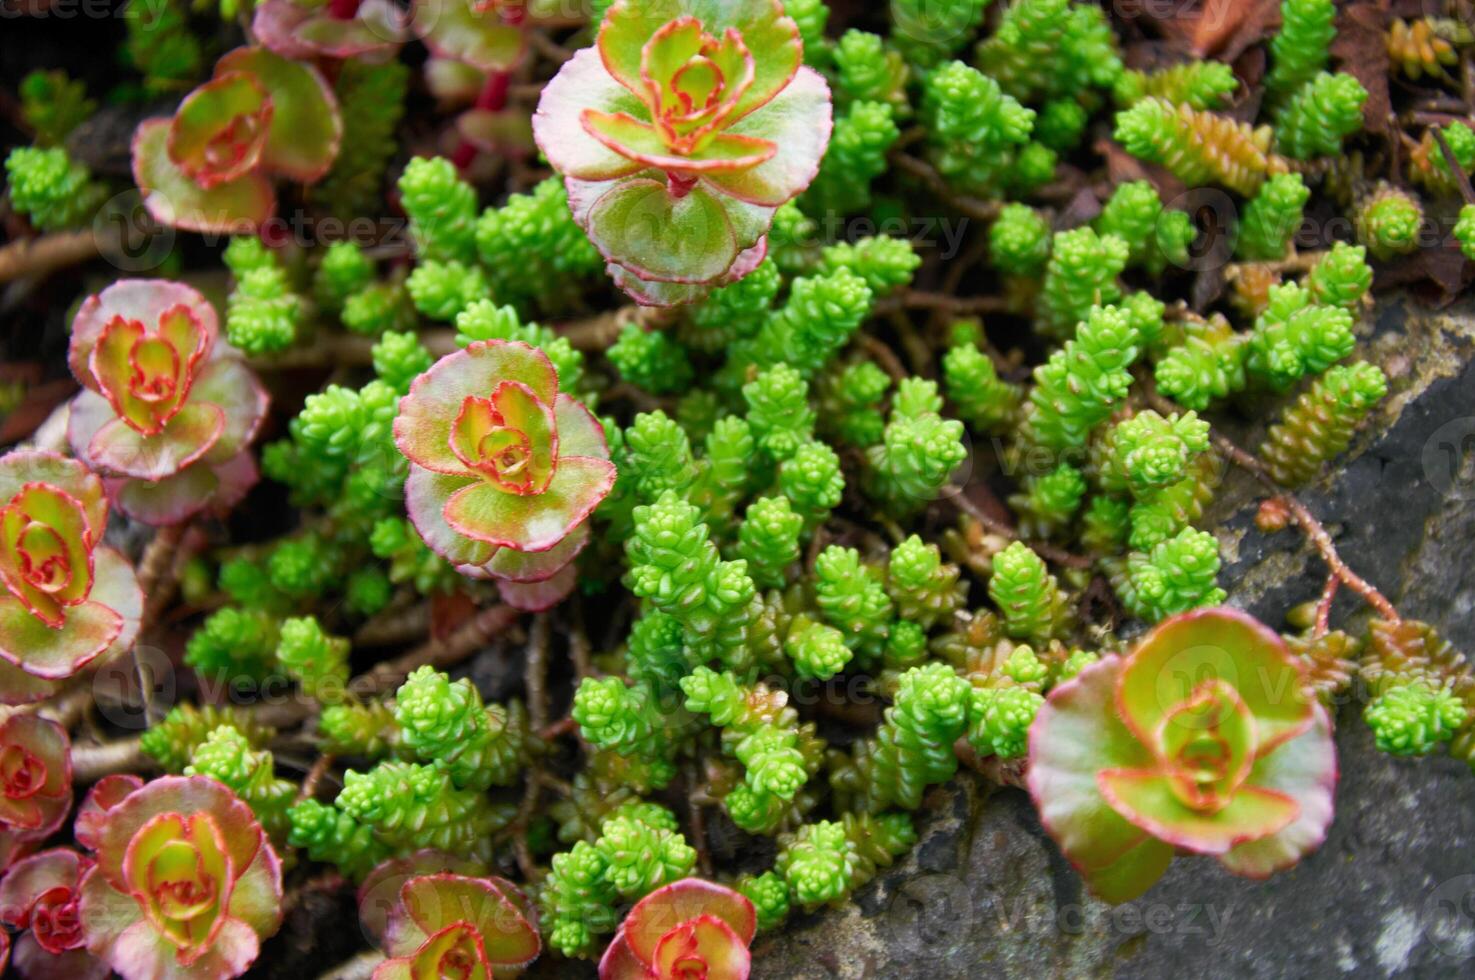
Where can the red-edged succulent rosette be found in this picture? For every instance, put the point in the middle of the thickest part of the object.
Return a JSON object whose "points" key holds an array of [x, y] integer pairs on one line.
{"points": [[40, 894], [679, 134], [301, 30], [186, 884], [208, 168], [487, 35], [1204, 739], [168, 411], [65, 598], [35, 783], [504, 469], [449, 925], [689, 928]]}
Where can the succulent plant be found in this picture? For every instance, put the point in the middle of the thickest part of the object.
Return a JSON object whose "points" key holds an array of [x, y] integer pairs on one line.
{"points": [[679, 135], [688, 928], [35, 783], [68, 599], [447, 925], [504, 469], [39, 895], [208, 167], [1203, 739], [186, 884], [168, 411]]}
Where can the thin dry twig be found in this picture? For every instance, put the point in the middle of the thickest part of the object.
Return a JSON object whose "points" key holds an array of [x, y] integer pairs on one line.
{"points": [[92, 762], [35, 258], [1044, 549], [436, 653]]}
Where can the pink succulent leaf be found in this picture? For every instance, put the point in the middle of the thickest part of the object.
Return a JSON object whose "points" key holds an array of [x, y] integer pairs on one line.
{"points": [[528, 568], [220, 129], [118, 449], [539, 596], [640, 225], [144, 300], [18, 687], [422, 430], [105, 794], [532, 522], [379, 894], [1075, 735], [668, 907], [197, 488], [172, 198], [54, 653], [579, 432], [1304, 769], [1222, 643], [231, 386], [306, 125], [619, 962], [426, 493], [297, 31], [507, 131], [558, 126], [456, 29], [798, 122], [1149, 800], [34, 962], [667, 294]]}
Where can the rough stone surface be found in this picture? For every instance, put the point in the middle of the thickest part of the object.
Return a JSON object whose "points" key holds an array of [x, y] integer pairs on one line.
{"points": [[1391, 892]]}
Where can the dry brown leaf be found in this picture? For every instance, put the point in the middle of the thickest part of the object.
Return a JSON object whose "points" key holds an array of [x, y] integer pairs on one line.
{"points": [[1224, 28], [1361, 47]]}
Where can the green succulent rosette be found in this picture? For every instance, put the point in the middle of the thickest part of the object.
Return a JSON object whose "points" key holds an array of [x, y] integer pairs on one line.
{"points": [[1203, 739]]}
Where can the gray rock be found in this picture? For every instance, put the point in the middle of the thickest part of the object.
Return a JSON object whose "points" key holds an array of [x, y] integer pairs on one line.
{"points": [[1390, 893]]}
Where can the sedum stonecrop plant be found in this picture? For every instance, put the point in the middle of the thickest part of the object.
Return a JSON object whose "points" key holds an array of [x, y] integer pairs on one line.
{"points": [[679, 134], [591, 507]]}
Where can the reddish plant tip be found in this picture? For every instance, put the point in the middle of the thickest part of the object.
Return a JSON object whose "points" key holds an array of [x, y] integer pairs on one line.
{"points": [[186, 884], [1203, 739], [167, 412], [504, 469], [1273, 515], [689, 928], [679, 194]]}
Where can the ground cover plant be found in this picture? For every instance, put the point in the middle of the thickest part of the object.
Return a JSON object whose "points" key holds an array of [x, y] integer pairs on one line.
{"points": [[570, 479]]}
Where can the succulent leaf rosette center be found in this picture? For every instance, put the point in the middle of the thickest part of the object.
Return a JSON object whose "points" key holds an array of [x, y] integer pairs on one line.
{"points": [[679, 134], [35, 785], [21, 774], [54, 920], [146, 372], [1131, 761], [504, 469]]}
